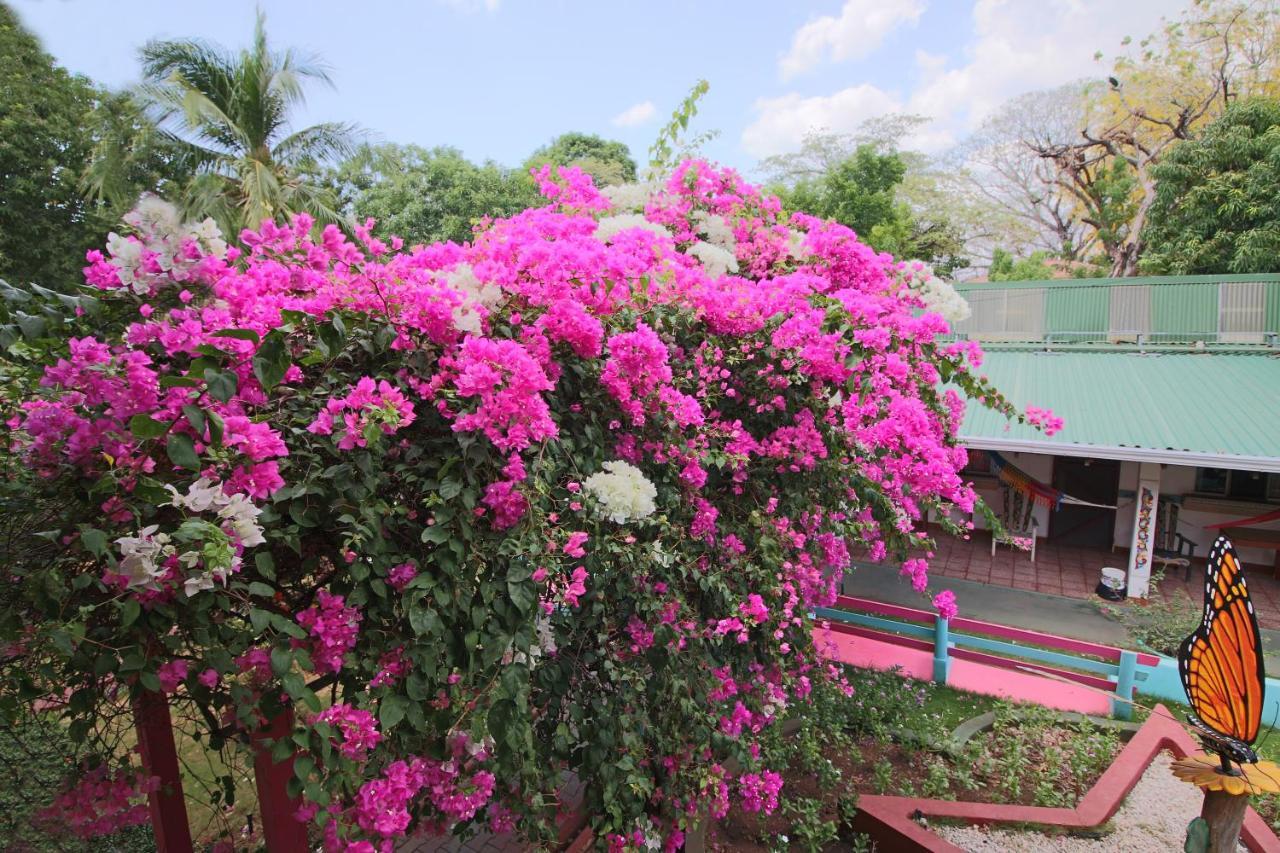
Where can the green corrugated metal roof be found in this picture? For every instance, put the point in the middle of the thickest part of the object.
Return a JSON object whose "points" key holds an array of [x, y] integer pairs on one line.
{"points": [[1169, 407]]}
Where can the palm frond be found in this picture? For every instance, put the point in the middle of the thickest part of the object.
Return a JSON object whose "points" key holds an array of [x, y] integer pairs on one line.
{"points": [[261, 196], [317, 201], [318, 144]]}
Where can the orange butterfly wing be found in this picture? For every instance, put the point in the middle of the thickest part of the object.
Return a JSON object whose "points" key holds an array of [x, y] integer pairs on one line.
{"points": [[1221, 663]]}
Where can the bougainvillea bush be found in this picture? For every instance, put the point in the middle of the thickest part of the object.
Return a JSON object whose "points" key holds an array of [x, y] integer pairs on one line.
{"points": [[556, 501]]}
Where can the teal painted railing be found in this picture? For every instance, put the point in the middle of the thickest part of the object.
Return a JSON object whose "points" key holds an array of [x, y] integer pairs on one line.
{"points": [[1115, 670]]}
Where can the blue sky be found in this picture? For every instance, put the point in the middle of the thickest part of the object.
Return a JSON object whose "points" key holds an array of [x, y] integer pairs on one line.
{"points": [[498, 78]]}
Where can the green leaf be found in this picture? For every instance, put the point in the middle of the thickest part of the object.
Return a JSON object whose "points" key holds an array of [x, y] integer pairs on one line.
{"points": [[424, 620], [195, 417], [523, 596], [222, 384], [144, 427], [435, 534], [391, 711], [259, 619], [215, 428], [238, 334], [271, 361], [303, 766], [266, 564], [450, 489], [179, 382], [294, 684], [130, 610], [94, 540], [261, 590], [182, 452], [281, 660]]}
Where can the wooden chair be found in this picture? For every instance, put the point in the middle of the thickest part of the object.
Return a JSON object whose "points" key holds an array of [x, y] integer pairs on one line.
{"points": [[1172, 549], [1019, 521]]}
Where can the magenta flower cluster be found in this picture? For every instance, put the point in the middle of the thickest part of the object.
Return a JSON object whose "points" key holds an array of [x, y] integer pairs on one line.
{"points": [[334, 628], [358, 728], [100, 802], [370, 403]]}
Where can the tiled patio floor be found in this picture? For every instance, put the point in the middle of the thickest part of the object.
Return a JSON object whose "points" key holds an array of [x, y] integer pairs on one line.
{"points": [[1074, 572]]}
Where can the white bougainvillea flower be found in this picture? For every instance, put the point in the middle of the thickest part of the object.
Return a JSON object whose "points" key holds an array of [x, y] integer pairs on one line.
{"points": [[625, 493]]}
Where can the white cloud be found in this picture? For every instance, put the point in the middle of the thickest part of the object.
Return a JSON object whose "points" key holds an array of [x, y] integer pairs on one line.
{"points": [[782, 122], [1018, 46], [634, 115], [1023, 45], [856, 33]]}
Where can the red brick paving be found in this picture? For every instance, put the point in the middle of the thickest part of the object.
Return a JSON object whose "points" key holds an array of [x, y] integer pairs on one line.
{"points": [[1074, 572]]}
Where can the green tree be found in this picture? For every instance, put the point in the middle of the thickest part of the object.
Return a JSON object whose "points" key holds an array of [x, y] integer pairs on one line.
{"points": [[1216, 207], [45, 223], [1005, 267], [130, 156], [857, 191], [864, 192], [425, 195], [606, 160], [226, 114]]}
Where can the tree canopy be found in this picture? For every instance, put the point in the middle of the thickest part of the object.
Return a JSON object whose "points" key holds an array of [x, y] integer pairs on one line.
{"points": [[866, 189], [1216, 205], [607, 160], [45, 223], [226, 116], [426, 196]]}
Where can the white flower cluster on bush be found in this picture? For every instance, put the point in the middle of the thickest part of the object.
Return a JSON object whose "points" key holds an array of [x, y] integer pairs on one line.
{"points": [[165, 235], [630, 197], [212, 552], [624, 491], [715, 230], [936, 294], [611, 225], [715, 260], [474, 293]]}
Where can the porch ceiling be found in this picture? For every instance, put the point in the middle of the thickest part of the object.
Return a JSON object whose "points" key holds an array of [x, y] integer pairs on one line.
{"points": [[1219, 409]]}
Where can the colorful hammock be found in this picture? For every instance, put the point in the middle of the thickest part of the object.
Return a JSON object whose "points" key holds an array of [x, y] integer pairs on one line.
{"points": [[1246, 522], [1037, 492]]}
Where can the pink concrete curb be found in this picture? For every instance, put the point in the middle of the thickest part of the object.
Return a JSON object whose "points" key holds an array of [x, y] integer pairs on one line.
{"points": [[888, 820]]}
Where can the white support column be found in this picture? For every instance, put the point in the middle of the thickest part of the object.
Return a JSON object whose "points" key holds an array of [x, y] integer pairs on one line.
{"points": [[1144, 530]]}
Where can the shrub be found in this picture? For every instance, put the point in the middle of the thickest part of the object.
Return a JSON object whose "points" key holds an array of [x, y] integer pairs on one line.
{"points": [[559, 499]]}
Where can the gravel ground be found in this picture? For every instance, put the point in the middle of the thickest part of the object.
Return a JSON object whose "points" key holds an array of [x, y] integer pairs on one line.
{"points": [[1153, 819]]}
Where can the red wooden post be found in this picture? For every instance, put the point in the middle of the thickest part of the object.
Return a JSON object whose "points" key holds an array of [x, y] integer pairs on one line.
{"points": [[160, 757], [283, 832]]}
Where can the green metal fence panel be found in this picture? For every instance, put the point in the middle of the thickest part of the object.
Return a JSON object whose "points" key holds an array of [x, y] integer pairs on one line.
{"points": [[1273, 307], [1077, 310], [1184, 311]]}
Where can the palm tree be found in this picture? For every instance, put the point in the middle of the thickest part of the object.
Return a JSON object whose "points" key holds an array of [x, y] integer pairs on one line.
{"points": [[225, 118]]}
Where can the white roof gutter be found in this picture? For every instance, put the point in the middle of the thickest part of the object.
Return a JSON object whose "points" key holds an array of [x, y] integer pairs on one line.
{"points": [[1268, 464]]}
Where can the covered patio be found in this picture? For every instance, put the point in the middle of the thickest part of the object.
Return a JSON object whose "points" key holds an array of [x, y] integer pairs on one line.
{"points": [[1073, 571]]}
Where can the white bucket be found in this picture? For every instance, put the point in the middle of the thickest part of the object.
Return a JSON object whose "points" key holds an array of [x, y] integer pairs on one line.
{"points": [[1113, 578]]}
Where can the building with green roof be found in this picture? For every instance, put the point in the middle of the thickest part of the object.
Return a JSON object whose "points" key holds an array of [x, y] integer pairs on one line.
{"points": [[1170, 392]]}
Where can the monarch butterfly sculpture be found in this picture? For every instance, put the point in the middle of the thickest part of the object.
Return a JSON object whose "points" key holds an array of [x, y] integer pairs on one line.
{"points": [[1221, 668], [1221, 663]]}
